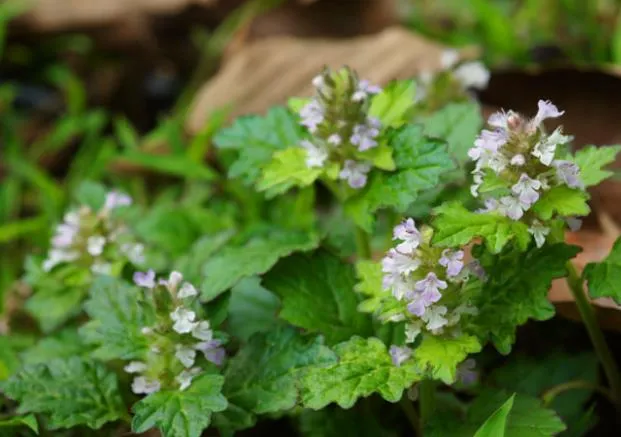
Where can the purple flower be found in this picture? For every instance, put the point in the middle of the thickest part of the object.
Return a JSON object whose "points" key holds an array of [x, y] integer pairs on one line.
{"points": [[65, 234], [399, 354], [312, 115], [499, 119], [477, 269], [546, 110], [466, 373], [434, 317], [568, 173], [396, 262], [364, 90], [417, 307], [574, 223], [145, 279], [212, 350], [355, 173], [315, 155], [364, 134], [430, 287], [487, 143], [526, 188], [408, 234], [511, 207], [114, 199], [518, 160], [453, 261]]}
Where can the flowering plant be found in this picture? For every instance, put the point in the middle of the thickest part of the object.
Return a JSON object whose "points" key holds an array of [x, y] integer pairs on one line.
{"points": [[365, 245]]}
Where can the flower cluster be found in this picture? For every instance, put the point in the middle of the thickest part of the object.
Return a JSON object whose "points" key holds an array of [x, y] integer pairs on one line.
{"points": [[451, 83], [175, 340], [96, 240], [517, 161], [341, 128], [427, 285]]}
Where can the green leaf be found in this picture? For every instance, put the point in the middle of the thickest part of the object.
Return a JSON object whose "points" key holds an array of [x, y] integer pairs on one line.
{"points": [[370, 278], [54, 305], [592, 160], [394, 104], [441, 356], [287, 169], [254, 257], [191, 264], [173, 165], [256, 139], [317, 293], [458, 124], [264, 375], [29, 420], [68, 392], [117, 315], [421, 162], [562, 200], [364, 367], [252, 309], [91, 193], [604, 278], [456, 226], [510, 298], [497, 423], [336, 422], [179, 413], [64, 344], [9, 362]]}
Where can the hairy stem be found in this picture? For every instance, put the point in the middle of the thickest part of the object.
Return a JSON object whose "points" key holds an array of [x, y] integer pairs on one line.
{"points": [[411, 414], [363, 244], [595, 333]]}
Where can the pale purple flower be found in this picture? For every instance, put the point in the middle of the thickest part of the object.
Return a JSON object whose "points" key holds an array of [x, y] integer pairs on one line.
{"points": [[184, 379], [187, 290], [511, 207], [472, 75], [518, 160], [135, 367], [574, 223], [453, 261], [355, 173], [312, 115], [115, 199], [568, 173], [466, 374], [546, 148], [316, 156], [490, 205], [212, 351], [334, 139], [487, 144], [364, 90], [58, 256], [185, 355], [429, 288], [546, 110], [434, 317], [526, 189], [65, 233], [95, 245], [145, 279], [184, 320], [364, 134], [418, 306], [399, 354], [539, 232], [396, 262], [203, 331], [143, 385], [400, 286], [410, 236], [173, 281], [477, 269], [499, 119]]}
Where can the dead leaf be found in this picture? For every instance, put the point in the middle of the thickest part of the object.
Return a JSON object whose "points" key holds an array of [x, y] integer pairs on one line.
{"points": [[269, 71]]}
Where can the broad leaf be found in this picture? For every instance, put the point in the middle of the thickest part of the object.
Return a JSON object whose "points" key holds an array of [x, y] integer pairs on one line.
{"points": [[54, 305], [287, 169], [179, 413], [592, 160], [393, 106], [496, 425], [264, 375], [360, 421], [254, 257], [364, 367], [441, 356], [458, 124], [562, 200], [64, 344], [117, 313], [256, 138], [604, 278], [510, 298], [68, 392], [317, 293], [456, 226], [252, 309], [29, 421]]}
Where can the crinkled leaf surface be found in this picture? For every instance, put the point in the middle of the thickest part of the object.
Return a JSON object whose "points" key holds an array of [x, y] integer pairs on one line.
{"points": [[64, 344], [592, 160], [456, 226], [52, 306], [256, 138], [287, 169], [68, 392], [458, 124], [604, 278], [264, 375], [393, 106], [28, 420], [510, 297], [441, 356], [364, 367], [117, 314], [181, 413], [254, 257], [317, 292], [562, 200]]}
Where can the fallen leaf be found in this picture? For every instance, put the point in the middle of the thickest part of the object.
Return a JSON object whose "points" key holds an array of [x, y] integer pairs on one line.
{"points": [[269, 71]]}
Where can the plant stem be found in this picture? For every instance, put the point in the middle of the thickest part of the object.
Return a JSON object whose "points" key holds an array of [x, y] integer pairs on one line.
{"points": [[363, 244], [595, 333], [412, 415], [426, 399], [549, 395]]}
